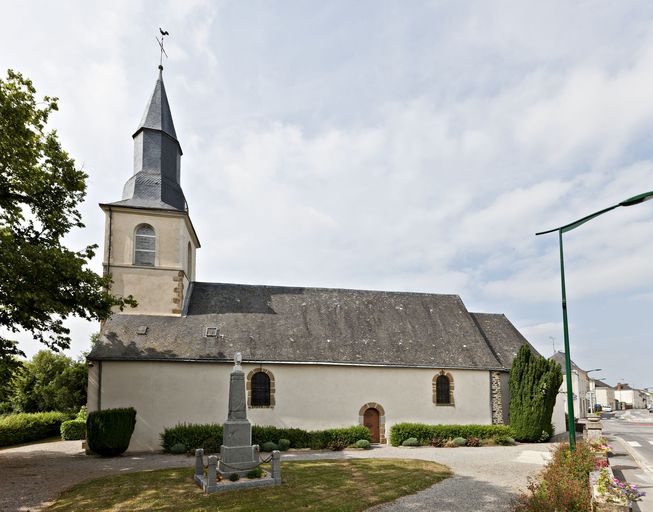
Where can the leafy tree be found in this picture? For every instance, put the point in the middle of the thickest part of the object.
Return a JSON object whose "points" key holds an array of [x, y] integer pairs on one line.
{"points": [[534, 384], [42, 282], [8, 368], [50, 382]]}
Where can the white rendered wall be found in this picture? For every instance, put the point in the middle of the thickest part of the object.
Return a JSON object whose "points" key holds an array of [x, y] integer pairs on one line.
{"points": [[307, 396]]}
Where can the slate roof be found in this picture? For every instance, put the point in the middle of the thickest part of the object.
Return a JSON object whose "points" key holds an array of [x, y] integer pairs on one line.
{"points": [[502, 335], [601, 384], [315, 325], [559, 357], [157, 159]]}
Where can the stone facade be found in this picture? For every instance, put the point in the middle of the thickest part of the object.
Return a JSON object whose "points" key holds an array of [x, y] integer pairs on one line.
{"points": [[496, 398]]}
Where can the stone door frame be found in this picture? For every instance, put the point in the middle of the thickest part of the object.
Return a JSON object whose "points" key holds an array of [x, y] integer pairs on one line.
{"points": [[378, 407]]}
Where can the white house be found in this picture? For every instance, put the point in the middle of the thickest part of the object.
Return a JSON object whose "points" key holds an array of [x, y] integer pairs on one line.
{"points": [[314, 357]]}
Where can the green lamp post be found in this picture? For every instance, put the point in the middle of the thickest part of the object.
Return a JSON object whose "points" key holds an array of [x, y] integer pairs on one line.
{"points": [[563, 229]]}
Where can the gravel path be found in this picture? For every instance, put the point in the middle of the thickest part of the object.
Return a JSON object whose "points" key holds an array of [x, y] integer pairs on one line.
{"points": [[486, 479]]}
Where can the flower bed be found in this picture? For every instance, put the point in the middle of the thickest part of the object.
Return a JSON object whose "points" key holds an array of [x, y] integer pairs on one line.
{"points": [[609, 494]]}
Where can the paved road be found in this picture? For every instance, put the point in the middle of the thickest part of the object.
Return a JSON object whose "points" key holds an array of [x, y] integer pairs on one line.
{"points": [[631, 435]]}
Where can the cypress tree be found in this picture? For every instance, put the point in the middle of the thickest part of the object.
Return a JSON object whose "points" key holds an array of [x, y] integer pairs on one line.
{"points": [[534, 384]]}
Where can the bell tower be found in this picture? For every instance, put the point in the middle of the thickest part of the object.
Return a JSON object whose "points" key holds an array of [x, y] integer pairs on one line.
{"points": [[150, 242]]}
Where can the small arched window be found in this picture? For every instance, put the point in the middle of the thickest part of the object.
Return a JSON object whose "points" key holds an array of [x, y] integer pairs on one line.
{"points": [[260, 390], [144, 245], [442, 390]]}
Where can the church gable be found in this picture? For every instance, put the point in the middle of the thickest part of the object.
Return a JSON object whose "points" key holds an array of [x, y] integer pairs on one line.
{"points": [[314, 325]]}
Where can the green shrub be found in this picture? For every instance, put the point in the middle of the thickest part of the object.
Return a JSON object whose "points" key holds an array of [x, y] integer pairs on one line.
{"points": [[211, 445], [534, 384], [563, 483], [504, 440], [73, 430], [26, 427], [83, 412], [411, 441], [269, 446], [109, 431], [178, 449], [363, 443], [234, 477], [190, 435], [459, 441], [437, 435], [257, 472], [193, 436], [284, 444], [298, 438]]}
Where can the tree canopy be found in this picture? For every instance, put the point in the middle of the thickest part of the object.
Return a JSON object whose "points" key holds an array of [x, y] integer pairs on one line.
{"points": [[534, 384], [42, 282]]}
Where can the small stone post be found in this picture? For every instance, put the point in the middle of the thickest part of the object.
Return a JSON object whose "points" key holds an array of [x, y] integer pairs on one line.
{"points": [[199, 462], [276, 467], [211, 482]]}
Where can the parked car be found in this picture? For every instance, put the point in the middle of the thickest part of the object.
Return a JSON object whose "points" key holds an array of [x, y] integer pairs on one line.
{"points": [[650, 408], [607, 408]]}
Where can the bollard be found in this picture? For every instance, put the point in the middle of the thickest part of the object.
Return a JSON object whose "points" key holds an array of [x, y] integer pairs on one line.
{"points": [[276, 467], [199, 462], [211, 483]]}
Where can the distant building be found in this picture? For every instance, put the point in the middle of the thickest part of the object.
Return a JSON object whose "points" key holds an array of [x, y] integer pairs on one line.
{"points": [[630, 398], [580, 384], [605, 394]]}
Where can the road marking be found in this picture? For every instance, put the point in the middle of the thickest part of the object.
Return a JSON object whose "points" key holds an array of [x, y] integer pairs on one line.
{"points": [[634, 443], [650, 442]]}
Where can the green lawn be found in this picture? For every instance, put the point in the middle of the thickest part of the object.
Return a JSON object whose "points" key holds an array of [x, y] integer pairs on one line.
{"points": [[343, 485]]}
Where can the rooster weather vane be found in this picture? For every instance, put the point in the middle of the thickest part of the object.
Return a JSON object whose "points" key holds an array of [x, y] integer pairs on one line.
{"points": [[163, 52]]}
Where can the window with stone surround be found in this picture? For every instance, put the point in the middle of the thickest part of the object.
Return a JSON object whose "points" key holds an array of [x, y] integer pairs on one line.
{"points": [[260, 388], [443, 389], [144, 245]]}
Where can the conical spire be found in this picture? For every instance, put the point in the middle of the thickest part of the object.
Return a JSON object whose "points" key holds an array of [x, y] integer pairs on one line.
{"points": [[157, 158], [157, 114]]}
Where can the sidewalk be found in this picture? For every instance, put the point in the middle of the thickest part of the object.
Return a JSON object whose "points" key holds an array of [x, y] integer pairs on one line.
{"points": [[626, 469]]}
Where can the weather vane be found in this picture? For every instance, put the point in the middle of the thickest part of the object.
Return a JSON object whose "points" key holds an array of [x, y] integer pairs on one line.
{"points": [[163, 52]]}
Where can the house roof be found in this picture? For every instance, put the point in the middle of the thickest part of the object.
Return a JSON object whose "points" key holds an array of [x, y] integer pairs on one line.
{"points": [[559, 357], [315, 325], [503, 337], [601, 384]]}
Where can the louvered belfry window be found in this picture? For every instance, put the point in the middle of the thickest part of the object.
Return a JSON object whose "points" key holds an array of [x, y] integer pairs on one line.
{"points": [[260, 390], [442, 390], [144, 246]]}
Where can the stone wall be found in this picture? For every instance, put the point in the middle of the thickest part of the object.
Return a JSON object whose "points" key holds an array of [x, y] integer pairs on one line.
{"points": [[496, 398]]}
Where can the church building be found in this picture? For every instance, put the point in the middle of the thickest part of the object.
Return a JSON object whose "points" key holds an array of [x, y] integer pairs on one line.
{"points": [[314, 358]]}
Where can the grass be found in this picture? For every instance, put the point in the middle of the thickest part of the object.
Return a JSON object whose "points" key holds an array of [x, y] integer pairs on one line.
{"points": [[344, 485]]}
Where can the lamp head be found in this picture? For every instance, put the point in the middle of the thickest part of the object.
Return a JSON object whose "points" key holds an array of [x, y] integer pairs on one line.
{"points": [[640, 198]]}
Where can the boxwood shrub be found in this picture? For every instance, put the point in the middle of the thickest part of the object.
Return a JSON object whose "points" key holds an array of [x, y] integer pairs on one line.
{"points": [[110, 430], [193, 436], [26, 427], [426, 433], [73, 430]]}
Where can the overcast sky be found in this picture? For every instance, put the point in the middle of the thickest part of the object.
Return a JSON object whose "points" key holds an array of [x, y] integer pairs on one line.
{"points": [[382, 145]]}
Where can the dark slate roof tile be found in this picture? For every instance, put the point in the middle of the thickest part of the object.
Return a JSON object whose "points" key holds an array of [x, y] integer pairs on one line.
{"points": [[320, 325]]}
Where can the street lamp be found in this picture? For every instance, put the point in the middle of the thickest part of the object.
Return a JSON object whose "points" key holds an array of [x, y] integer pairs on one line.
{"points": [[563, 229]]}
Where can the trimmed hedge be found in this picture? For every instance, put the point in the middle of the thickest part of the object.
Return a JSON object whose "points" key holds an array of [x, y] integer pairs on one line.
{"points": [[73, 430], [193, 436], [426, 433], [26, 427], [110, 430]]}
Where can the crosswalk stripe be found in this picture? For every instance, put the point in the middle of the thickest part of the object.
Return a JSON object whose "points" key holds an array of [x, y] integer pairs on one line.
{"points": [[634, 443], [650, 442]]}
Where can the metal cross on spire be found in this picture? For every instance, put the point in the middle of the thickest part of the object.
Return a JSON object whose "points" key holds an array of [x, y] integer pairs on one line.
{"points": [[163, 52]]}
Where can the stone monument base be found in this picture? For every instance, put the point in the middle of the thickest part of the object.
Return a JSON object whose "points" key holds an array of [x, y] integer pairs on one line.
{"points": [[238, 459]]}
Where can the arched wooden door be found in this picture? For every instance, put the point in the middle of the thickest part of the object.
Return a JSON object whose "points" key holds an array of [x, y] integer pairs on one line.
{"points": [[371, 421]]}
